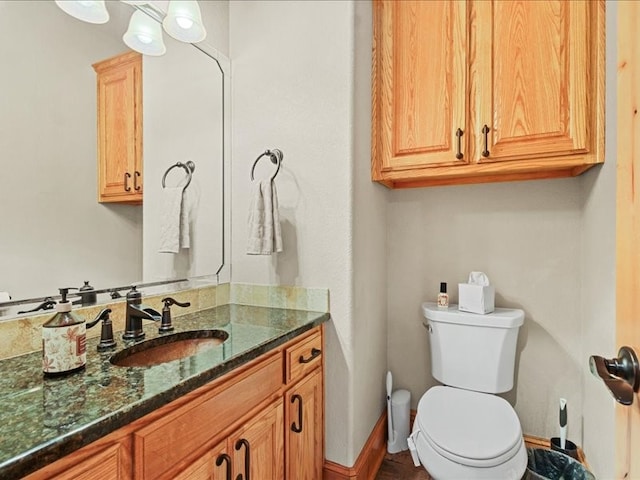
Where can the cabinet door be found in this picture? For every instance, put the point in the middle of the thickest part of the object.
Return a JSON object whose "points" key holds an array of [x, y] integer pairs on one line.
{"points": [[533, 94], [304, 427], [216, 464], [419, 85], [120, 129], [258, 448]]}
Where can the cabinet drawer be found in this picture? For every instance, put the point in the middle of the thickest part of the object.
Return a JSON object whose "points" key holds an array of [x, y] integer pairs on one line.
{"points": [[162, 444], [303, 357]]}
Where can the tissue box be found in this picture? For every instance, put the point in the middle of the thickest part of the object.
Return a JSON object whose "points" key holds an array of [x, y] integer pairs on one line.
{"points": [[476, 298]]}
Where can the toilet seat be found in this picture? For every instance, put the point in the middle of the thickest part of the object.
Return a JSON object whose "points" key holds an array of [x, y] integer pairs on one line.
{"points": [[469, 428]]}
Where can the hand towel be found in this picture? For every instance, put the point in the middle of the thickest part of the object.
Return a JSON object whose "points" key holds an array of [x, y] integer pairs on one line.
{"points": [[264, 236], [174, 230]]}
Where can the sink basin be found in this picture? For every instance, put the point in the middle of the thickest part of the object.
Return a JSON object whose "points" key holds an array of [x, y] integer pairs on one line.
{"points": [[168, 347]]}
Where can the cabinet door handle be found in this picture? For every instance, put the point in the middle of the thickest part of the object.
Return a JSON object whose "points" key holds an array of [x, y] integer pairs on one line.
{"points": [[247, 458], [459, 153], [294, 427], [136, 187], [485, 130], [314, 353], [225, 458], [127, 176]]}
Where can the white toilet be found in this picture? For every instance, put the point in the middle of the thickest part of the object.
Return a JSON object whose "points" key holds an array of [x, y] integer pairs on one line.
{"points": [[461, 430]]}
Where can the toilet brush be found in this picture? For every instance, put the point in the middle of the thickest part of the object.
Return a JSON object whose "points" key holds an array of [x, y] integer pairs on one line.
{"points": [[391, 433], [563, 423]]}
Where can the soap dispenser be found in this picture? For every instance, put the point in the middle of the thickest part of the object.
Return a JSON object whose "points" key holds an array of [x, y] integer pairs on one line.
{"points": [[64, 340]]}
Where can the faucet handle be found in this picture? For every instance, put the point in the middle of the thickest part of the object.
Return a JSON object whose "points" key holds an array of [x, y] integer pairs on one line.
{"points": [[106, 336], [165, 324]]}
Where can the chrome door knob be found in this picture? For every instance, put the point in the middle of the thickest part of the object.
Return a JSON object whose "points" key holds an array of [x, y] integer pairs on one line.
{"points": [[621, 375]]}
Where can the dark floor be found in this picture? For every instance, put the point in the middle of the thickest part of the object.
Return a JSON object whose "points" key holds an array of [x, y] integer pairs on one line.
{"points": [[399, 466]]}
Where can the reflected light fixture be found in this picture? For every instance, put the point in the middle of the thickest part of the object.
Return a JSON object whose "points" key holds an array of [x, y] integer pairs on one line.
{"points": [[144, 35], [91, 11], [184, 21]]}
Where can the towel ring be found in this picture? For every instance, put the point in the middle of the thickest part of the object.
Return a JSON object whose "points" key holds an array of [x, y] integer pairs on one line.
{"points": [[276, 158], [189, 167]]}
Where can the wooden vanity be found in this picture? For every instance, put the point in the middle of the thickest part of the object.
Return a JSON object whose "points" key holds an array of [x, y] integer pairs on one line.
{"points": [[262, 419]]}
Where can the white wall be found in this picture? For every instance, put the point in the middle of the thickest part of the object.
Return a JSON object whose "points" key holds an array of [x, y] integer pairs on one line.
{"points": [[598, 282], [54, 232], [296, 88]]}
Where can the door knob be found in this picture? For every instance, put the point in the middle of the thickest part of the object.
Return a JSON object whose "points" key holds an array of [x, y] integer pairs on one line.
{"points": [[621, 375]]}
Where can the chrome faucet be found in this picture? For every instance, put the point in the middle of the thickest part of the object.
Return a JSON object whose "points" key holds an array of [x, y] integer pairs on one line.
{"points": [[136, 312]]}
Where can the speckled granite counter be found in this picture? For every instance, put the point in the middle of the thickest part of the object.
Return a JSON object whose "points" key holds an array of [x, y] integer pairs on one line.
{"points": [[42, 420]]}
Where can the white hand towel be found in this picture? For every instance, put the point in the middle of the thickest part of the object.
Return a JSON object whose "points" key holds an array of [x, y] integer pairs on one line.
{"points": [[264, 236], [173, 232]]}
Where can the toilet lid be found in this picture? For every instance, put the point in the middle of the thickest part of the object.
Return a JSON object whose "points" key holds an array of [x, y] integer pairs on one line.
{"points": [[470, 428]]}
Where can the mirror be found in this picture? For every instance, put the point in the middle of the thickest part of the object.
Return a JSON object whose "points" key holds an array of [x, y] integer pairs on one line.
{"points": [[54, 232]]}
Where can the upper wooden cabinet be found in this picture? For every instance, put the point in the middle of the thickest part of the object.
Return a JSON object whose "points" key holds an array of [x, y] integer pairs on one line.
{"points": [[120, 128], [485, 91]]}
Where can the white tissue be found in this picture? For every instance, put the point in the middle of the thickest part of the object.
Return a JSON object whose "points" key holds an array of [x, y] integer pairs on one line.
{"points": [[478, 278], [477, 295]]}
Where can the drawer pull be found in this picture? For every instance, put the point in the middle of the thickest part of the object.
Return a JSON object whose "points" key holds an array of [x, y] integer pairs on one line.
{"points": [[247, 458], [459, 153], [225, 458], [127, 176], [294, 427], [136, 187], [315, 352], [485, 130]]}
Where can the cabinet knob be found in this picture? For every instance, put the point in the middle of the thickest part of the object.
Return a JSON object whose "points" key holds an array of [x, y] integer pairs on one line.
{"points": [[294, 427], [226, 459], [314, 353], [485, 130], [136, 175], [127, 176], [459, 153], [243, 442]]}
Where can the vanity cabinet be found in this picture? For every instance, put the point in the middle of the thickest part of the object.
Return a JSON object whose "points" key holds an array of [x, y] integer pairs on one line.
{"points": [[262, 420], [119, 111], [485, 91]]}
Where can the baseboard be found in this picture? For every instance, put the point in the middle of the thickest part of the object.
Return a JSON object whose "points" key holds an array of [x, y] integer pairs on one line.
{"points": [[369, 460]]}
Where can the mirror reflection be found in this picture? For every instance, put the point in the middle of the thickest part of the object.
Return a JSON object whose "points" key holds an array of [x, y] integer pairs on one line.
{"points": [[55, 233]]}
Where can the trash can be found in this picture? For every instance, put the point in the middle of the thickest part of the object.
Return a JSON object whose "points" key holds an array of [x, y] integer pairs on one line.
{"points": [[551, 465]]}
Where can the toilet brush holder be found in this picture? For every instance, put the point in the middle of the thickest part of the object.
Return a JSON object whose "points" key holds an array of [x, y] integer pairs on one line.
{"points": [[399, 411], [570, 448]]}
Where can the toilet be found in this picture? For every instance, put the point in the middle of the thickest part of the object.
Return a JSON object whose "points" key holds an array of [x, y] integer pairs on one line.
{"points": [[462, 430]]}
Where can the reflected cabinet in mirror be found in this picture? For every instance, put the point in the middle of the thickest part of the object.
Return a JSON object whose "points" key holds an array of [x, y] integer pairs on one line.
{"points": [[55, 233]]}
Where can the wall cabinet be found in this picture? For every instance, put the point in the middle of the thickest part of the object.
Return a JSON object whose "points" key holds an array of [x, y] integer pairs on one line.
{"points": [[261, 421], [484, 91], [120, 128]]}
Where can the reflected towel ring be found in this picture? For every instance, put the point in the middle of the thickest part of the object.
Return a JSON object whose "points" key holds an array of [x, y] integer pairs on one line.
{"points": [[189, 167], [276, 158]]}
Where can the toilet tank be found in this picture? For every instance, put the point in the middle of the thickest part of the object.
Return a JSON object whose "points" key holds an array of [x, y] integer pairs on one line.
{"points": [[473, 351]]}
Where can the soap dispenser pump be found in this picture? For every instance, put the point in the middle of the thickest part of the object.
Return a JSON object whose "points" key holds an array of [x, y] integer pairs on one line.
{"points": [[64, 340]]}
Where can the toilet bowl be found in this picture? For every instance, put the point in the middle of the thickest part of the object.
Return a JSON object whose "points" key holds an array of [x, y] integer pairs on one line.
{"points": [[461, 434], [463, 430]]}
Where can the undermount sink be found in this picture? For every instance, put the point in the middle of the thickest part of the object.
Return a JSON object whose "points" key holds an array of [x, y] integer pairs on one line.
{"points": [[168, 347]]}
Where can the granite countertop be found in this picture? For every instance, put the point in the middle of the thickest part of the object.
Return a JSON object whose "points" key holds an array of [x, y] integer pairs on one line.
{"points": [[42, 420]]}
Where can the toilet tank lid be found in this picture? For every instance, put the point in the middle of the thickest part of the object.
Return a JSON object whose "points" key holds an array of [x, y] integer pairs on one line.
{"points": [[500, 317]]}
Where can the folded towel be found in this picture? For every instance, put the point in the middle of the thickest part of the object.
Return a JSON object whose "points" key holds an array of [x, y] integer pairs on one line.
{"points": [[264, 220], [174, 230]]}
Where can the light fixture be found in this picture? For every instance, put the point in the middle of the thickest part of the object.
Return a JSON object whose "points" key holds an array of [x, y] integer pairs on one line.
{"points": [[135, 2], [144, 35], [92, 11], [184, 21]]}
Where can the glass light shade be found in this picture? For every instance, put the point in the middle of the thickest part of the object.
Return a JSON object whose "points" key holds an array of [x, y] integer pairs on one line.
{"points": [[91, 11], [184, 21], [144, 35]]}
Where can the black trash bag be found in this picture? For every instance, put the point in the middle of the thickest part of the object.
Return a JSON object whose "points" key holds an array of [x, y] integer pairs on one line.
{"points": [[552, 465]]}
